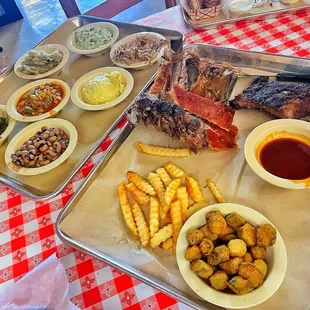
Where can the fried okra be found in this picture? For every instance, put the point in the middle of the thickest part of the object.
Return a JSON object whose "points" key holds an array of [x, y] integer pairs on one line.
{"points": [[211, 213], [194, 236], [206, 246], [216, 222], [258, 252], [247, 233], [220, 254], [201, 268], [214, 268], [208, 233], [228, 252], [237, 248], [227, 231], [240, 286], [247, 258], [192, 253], [219, 280], [235, 220], [229, 237], [261, 266], [266, 235], [231, 266], [250, 272]]}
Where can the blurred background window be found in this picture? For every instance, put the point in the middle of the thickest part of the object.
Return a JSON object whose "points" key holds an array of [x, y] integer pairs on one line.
{"points": [[9, 12], [86, 5], [2, 12]]}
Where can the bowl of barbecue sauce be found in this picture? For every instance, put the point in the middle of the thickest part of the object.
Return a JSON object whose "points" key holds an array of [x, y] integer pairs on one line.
{"points": [[279, 152]]}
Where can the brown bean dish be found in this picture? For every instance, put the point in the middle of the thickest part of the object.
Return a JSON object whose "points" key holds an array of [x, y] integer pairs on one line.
{"points": [[40, 99], [41, 149]]}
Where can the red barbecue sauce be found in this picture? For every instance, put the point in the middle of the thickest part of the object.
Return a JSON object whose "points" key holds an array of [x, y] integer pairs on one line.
{"points": [[286, 158]]}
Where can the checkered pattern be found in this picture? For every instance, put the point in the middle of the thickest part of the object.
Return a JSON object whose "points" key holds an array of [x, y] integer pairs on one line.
{"points": [[27, 230], [286, 34]]}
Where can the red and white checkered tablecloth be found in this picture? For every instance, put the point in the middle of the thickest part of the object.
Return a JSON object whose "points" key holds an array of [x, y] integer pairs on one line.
{"points": [[27, 228]]}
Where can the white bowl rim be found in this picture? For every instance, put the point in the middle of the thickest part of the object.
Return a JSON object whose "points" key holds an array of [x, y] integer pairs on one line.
{"points": [[258, 134], [115, 33], [138, 64], [9, 128], [75, 98], [11, 104], [221, 298], [244, 9], [28, 132], [65, 58]]}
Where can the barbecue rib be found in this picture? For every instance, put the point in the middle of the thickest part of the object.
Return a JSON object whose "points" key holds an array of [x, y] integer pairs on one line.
{"points": [[220, 139], [194, 132], [185, 102], [283, 100], [170, 119], [168, 74], [201, 76], [214, 112], [207, 78], [161, 84]]}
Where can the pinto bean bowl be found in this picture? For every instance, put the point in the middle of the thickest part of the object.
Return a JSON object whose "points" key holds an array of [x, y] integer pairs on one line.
{"points": [[40, 147]]}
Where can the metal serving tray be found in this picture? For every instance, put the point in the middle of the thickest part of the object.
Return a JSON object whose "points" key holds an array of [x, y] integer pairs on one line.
{"points": [[270, 9], [92, 127], [258, 63]]}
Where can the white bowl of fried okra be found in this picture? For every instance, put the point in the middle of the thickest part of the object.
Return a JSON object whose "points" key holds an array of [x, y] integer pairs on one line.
{"points": [[231, 255]]}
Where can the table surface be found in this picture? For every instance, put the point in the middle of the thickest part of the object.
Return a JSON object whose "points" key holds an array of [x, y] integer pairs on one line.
{"points": [[27, 228]]}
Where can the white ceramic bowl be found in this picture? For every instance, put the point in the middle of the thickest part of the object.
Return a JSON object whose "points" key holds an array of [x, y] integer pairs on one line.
{"points": [[276, 260], [11, 104], [238, 7], [28, 132], [76, 94], [46, 48], [97, 51], [11, 124], [138, 65], [259, 134], [289, 1]]}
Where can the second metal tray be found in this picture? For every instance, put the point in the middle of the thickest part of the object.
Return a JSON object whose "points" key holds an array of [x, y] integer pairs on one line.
{"points": [[268, 10], [92, 127], [251, 60]]}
